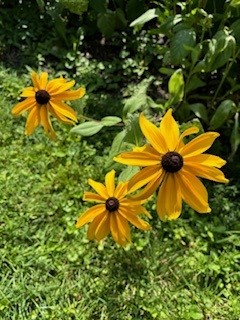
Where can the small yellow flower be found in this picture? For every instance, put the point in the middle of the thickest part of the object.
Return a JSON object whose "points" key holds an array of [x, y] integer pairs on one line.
{"points": [[173, 167], [113, 211], [45, 98]]}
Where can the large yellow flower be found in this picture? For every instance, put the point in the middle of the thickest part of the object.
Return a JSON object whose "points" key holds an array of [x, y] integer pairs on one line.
{"points": [[45, 98], [173, 166], [113, 211]]}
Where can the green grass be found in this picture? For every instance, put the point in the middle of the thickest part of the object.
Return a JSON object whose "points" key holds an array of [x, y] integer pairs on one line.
{"points": [[187, 269]]}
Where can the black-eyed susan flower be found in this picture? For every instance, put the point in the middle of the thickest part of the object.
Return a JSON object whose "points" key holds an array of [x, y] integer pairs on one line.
{"points": [[173, 167], [45, 98], [114, 211]]}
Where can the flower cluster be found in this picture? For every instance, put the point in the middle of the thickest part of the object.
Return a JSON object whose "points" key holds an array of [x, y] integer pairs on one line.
{"points": [[169, 166]]}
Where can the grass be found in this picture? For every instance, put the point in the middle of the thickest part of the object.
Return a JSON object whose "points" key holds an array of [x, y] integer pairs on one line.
{"points": [[187, 269]]}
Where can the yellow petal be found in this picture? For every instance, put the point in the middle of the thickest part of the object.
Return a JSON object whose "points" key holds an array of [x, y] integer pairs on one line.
{"points": [[33, 121], [134, 219], [149, 190], [199, 144], [109, 182], [123, 228], [206, 160], [70, 95], [114, 228], [93, 226], [63, 109], [60, 89], [23, 106], [59, 116], [90, 196], [103, 228], [185, 133], [169, 130], [43, 78], [169, 201], [121, 190], [28, 92], [206, 172], [36, 80], [99, 188], [46, 123], [143, 177], [153, 135], [193, 191], [91, 214], [53, 85], [135, 158]]}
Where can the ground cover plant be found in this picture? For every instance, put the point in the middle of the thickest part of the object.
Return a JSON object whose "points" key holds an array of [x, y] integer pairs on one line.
{"points": [[157, 58]]}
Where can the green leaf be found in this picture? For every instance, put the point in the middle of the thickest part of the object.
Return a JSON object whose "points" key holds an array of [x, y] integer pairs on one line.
{"points": [[110, 121], [75, 6], [98, 6], [138, 99], [128, 173], [199, 110], [176, 86], [133, 131], [235, 135], [222, 113], [147, 16], [179, 43], [220, 49], [87, 128], [116, 148], [106, 23], [194, 83], [235, 3]]}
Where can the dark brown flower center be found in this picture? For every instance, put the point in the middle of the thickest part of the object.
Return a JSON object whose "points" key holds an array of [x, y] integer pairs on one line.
{"points": [[42, 96], [112, 204], [172, 161]]}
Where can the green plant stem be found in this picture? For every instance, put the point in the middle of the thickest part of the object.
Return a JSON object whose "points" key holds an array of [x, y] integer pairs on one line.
{"points": [[226, 73]]}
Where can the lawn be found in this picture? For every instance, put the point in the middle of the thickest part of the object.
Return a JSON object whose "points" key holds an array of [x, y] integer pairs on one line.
{"points": [[186, 269]]}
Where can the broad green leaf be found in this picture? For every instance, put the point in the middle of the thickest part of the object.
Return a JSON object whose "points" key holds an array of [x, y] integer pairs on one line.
{"points": [[235, 135], [199, 110], [147, 16], [116, 148], [222, 113], [110, 121], [235, 27], [133, 131], [179, 44], [220, 49], [169, 23], [106, 23], [176, 86], [87, 128], [194, 83], [98, 6], [235, 3], [138, 99], [127, 173]]}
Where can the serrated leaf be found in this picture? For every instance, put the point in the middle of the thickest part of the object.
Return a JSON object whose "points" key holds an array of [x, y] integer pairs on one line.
{"points": [[87, 128], [179, 43], [110, 121], [147, 16], [199, 110], [176, 86], [222, 113]]}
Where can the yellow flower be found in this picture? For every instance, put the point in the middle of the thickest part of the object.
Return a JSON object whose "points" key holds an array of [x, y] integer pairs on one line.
{"points": [[45, 98], [173, 166], [113, 211]]}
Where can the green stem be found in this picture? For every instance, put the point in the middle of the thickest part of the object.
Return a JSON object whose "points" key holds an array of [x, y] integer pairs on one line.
{"points": [[226, 73]]}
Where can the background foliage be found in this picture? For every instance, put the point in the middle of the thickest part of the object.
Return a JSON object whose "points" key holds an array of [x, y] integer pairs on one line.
{"points": [[131, 58]]}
